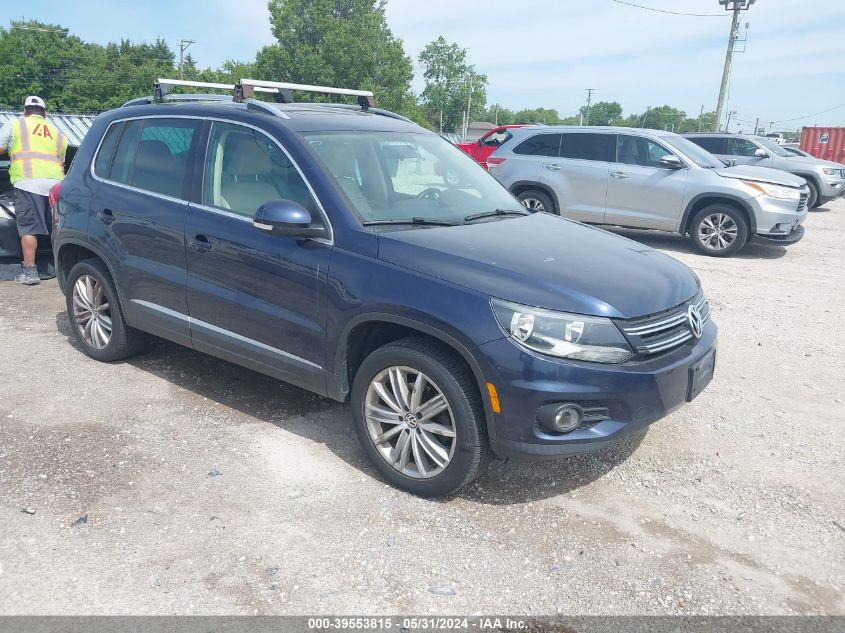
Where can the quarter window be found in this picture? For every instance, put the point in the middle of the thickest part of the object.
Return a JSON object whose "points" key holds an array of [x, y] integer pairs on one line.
{"points": [[587, 146], [540, 145], [244, 169], [104, 155]]}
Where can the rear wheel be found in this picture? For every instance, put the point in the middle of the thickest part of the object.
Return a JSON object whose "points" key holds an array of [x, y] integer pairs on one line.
{"points": [[536, 201], [419, 417], [96, 317], [719, 230]]}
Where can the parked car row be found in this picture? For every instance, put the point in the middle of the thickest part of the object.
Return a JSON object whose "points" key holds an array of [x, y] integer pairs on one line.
{"points": [[653, 180], [323, 245]]}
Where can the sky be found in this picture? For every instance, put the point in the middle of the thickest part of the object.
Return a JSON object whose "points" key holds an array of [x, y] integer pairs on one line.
{"points": [[545, 53]]}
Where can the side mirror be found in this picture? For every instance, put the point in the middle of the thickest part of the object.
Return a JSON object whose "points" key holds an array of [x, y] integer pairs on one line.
{"points": [[761, 153], [671, 161], [285, 217]]}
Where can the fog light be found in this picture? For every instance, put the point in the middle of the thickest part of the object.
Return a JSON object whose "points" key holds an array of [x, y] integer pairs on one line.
{"points": [[561, 418], [568, 418]]}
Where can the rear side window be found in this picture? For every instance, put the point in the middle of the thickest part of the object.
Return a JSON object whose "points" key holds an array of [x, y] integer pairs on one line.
{"points": [[102, 163], [540, 145], [586, 146], [714, 145], [153, 155]]}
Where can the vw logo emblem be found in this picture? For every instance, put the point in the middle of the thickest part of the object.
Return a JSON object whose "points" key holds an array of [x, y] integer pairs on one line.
{"points": [[695, 321]]}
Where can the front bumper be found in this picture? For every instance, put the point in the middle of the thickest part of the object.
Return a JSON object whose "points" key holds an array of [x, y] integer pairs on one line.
{"points": [[10, 241], [636, 394], [831, 190], [779, 221]]}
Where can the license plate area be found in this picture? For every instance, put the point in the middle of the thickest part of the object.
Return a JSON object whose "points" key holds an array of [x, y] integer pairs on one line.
{"points": [[701, 374]]}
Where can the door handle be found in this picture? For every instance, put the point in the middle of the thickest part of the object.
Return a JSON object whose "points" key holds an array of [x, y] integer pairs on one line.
{"points": [[618, 174], [105, 216], [201, 243], [553, 167]]}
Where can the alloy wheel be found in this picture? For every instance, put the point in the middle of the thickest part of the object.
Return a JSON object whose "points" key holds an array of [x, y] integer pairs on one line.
{"points": [[533, 204], [410, 422], [717, 231], [91, 311]]}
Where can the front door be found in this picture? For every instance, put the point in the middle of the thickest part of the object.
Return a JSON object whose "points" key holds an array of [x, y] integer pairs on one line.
{"points": [[255, 298], [641, 192], [744, 152]]}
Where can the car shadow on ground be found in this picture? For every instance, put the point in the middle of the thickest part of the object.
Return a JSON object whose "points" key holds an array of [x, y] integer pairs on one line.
{"points": [[677, 244], [328, 422]]}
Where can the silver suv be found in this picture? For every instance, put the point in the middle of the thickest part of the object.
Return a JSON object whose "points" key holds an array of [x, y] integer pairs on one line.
{"points": [[652, 180], [825, 178]]}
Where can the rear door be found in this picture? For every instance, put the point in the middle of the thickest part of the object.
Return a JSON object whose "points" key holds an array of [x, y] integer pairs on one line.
{"points": [[255, 298], [641, 192], [579, 175], [138, 217]]}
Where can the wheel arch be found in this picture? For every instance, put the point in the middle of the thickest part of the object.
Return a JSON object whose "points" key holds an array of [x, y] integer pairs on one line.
{"points": [[70, 252], [702, 200], [367, 332]]}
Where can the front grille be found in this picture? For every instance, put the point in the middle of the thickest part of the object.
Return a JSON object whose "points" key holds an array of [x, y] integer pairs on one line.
{"points": [[667, 330], [802, 203]]}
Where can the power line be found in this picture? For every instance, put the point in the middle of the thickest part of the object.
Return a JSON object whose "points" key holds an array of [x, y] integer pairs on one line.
{"points": [[798, 118], [693, 15]]}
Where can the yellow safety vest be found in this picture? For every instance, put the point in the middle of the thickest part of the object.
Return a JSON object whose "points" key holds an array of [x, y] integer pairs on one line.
{"points": [[37, 151]]}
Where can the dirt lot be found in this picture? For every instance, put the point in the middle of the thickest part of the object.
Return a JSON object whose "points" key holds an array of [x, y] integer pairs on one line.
{"points": [[176, 483]]}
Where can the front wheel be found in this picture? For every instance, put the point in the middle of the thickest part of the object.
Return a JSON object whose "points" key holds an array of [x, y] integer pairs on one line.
{"points": [[719, 230], [814, 199], [419, 417]]}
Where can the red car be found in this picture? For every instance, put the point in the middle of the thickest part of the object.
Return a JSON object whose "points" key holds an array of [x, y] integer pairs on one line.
{"points": [[481, 149]]}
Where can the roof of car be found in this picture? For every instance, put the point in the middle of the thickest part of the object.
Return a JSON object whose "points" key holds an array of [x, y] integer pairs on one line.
{"points": [[300, 117], [594, 128]]}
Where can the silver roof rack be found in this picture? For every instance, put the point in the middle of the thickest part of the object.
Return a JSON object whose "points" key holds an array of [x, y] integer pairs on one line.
{"points": [[246, 87]]}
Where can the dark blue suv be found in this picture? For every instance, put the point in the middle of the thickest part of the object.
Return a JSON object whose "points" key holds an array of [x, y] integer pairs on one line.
{"points": [[323, 244]]}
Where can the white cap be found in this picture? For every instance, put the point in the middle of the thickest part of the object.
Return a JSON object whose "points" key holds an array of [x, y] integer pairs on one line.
{"points": [[34, 102]]}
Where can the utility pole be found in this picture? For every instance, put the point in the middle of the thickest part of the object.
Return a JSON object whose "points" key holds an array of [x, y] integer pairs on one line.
{"points": [[700, 117], [728, 124], [469, 107], [757, 126], [183, 46], [589, 100], [735, 6]]}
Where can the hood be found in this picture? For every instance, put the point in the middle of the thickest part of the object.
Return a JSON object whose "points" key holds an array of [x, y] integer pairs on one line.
{"points": [[762, 174], [815, 162], [546, 261]]}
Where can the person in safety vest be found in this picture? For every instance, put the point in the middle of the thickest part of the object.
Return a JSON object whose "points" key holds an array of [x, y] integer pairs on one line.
{"points": [[37, 153]]}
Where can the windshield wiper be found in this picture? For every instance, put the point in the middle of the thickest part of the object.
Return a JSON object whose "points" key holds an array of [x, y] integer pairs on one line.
{"points": [[412, 221], [493, 214]]}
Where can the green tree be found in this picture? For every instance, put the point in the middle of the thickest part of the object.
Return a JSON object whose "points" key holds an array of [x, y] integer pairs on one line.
{"points": [[602, 113], [449, 78], [661, 118], [337, 43]]}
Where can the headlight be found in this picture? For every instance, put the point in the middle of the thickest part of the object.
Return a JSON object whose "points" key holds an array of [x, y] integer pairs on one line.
{"points": [[563, 335], [831, 171], [773, 191]]}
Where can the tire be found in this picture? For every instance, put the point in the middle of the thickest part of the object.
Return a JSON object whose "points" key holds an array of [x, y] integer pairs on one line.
{"points": [[719, 230], [89, 287], [536, 201], [446, 376], [815, 199]]}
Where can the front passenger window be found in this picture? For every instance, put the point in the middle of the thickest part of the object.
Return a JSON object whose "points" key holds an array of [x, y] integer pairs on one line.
{"points": [[244, 169], [741, 147]]}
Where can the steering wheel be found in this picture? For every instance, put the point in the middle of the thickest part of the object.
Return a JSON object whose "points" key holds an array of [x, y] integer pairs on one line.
{"points": [[432, 193]]}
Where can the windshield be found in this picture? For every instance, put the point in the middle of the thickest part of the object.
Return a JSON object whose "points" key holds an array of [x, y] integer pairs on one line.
{"points": [[409, 176], [696, 154], [774, 148]]}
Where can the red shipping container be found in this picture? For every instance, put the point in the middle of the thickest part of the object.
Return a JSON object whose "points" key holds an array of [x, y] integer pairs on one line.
{"points": [[824, 142]]}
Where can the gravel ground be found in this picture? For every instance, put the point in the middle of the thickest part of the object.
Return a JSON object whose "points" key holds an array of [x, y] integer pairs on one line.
{"points": [[177, 483]]}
